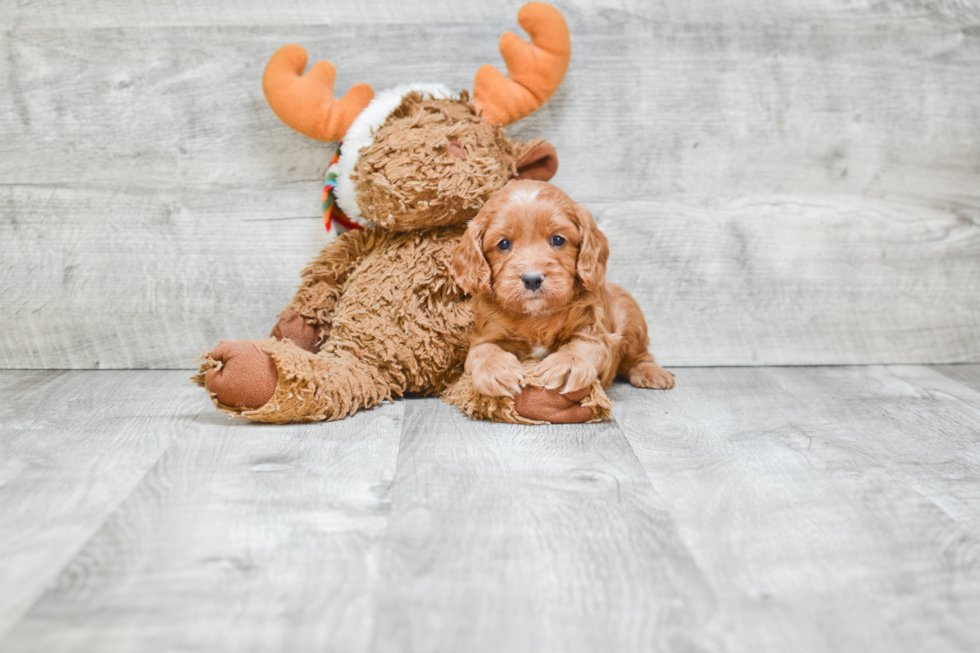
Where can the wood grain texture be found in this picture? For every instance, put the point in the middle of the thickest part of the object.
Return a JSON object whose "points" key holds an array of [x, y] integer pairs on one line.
{"points": [[118, 13], [509, 538], [242, 538], [919, 417], [738, 283], [755, 509], [968, 375], [811, 165], [160, 278], [648, 110], [817, 505], [72, 447], [792, 280]]}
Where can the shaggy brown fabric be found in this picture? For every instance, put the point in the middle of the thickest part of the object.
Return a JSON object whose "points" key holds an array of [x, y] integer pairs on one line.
{"points": [[410, 178], [312, 387], [323, 280], [553, 407]]}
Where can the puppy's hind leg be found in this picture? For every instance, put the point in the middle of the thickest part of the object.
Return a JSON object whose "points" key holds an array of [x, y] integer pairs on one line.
{"points": [[645, 373], [635, 362]]}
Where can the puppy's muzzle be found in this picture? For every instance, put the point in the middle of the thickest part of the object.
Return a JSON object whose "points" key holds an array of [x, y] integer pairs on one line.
{"points": [[532, 280]]}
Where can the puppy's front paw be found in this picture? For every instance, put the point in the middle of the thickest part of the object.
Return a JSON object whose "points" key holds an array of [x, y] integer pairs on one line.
{"points": [[564, 369], [501, 377], [651, 375]]}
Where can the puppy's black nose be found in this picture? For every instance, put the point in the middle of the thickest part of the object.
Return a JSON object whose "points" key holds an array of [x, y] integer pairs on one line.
{"points": [[532, 280]]}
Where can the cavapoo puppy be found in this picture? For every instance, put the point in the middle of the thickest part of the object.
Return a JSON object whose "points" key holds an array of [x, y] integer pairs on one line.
{"points": [[535, 263]]}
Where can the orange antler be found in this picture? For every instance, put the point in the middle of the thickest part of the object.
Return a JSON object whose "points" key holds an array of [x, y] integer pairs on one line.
{"points": [[306, 102], [536, 68]]}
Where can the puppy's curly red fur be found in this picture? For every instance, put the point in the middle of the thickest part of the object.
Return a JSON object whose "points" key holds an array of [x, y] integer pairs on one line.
{"points": [[535, 263]]}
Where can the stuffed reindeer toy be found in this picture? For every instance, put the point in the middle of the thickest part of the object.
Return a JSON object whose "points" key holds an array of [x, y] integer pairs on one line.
{"points": [[377, 314]]}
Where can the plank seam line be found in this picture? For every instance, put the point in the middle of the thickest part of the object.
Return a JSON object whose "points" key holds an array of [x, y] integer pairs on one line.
{"points": [[963, 387], [385, 539], [691, 551], [896, 475], [95, 531]]}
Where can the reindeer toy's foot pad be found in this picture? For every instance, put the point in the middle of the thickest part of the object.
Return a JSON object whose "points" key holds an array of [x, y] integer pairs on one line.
{"points": [[535, 404], [295, 327], [238, 375]]}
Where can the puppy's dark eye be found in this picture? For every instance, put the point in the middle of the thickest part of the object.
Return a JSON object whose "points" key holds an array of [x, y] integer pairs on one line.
{"points": [[557, 241], [503, 245]]}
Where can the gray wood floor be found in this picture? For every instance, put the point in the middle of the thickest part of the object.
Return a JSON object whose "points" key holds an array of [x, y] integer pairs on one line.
{"points": [[750, 509]]}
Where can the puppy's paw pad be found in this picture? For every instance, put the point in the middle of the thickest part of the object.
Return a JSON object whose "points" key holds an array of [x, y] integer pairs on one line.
{"points": [[651, 375]]}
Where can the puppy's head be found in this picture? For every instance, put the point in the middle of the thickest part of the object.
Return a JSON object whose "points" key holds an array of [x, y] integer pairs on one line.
{"points": [[531, 248]]}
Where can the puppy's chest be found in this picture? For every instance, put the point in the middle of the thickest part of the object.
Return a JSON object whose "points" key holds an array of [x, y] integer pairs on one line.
{"points": [[540, 352], [536, 347], [540, 338]]}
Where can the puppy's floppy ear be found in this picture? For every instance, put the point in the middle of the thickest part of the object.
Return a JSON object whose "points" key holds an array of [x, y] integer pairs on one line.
{"points": [[470, 267], [593, 251]]}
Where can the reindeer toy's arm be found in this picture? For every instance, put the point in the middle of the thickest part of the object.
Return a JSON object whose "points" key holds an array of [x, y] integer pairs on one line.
{"points": [[306, 319], [306, 103]]}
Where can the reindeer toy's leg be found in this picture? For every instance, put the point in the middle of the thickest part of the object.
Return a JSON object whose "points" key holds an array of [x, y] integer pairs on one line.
{"points": [[392, 322], [300, 386], [284, 378]]}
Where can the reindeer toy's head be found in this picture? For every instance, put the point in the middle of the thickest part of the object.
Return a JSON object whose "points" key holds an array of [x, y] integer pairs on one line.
{"points": [[417, 156]]}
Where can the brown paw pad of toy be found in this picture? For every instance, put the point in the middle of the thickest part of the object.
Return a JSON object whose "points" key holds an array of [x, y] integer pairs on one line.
{"points": [[295, 327], [535, 404], [239, 375], [548, 405]]}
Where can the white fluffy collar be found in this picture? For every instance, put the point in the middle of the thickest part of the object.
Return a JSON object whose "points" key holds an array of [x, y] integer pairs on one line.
{"points": [[361, 134]]}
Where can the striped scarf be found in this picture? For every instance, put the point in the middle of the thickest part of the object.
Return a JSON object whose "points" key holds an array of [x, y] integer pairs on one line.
{"points": [[331, 212]]}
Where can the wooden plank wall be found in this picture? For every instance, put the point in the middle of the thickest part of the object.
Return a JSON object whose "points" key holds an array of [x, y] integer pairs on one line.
{"points": [[781, 182]]}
